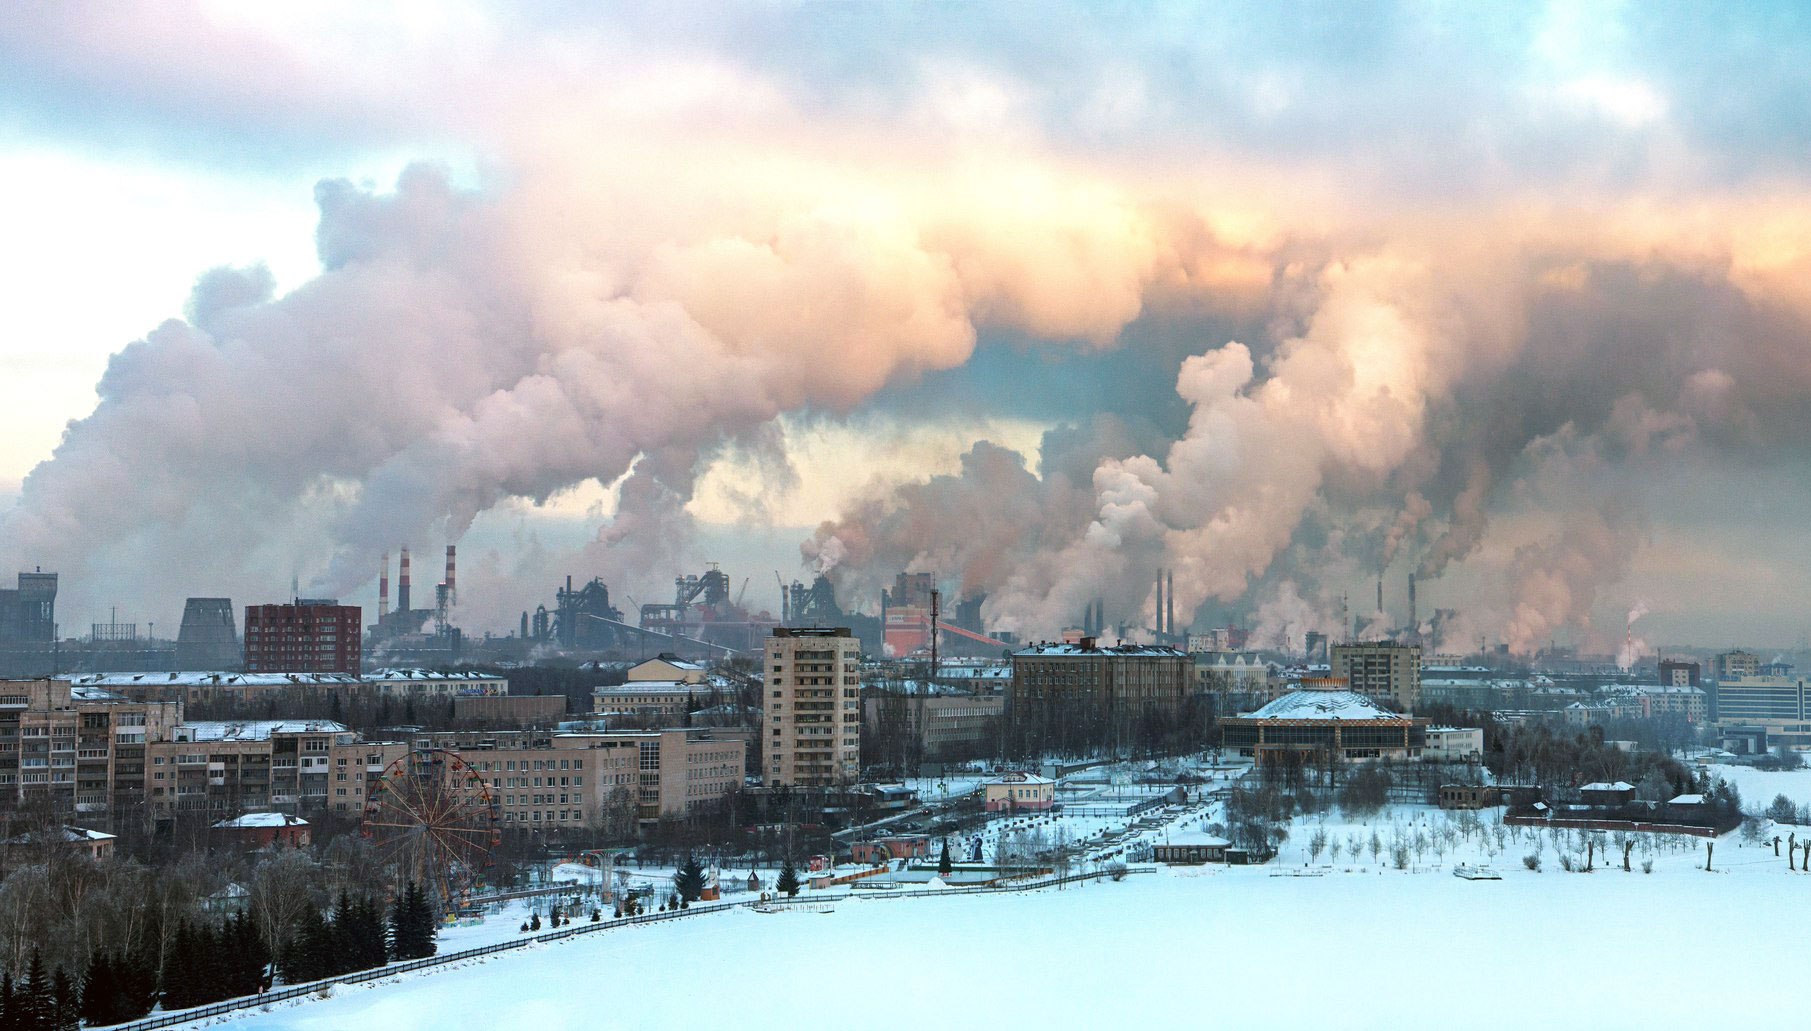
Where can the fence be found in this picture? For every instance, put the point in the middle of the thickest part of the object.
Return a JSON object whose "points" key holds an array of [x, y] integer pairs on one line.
{"points": [[697, 909]]}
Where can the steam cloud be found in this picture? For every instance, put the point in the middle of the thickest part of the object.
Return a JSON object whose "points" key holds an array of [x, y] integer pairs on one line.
{"points": [[659, 268]]}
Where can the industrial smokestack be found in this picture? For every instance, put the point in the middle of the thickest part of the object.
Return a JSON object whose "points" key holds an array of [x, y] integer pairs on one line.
{"points": [[1414, 624], [1169, 612], [452, 592], [1157, 618], [383, 588], [1380, 593], [402, 583]]}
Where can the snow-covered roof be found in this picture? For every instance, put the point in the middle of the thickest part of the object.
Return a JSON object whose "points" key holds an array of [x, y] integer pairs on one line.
{"points": [[253, 730], [1324, 705], [427, 675], [1601, 786], [1687, 800], [212, 678], [250, 820], [84, 834], [1020, 778], [651, 687]]}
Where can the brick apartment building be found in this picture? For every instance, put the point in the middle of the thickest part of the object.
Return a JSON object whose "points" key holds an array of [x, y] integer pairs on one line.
{"points": [[306, 636]]}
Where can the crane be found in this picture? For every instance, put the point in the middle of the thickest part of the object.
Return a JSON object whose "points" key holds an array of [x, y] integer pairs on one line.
{"points": [[743, 591]]}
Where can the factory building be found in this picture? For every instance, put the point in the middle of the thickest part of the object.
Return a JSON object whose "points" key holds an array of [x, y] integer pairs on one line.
{"points": [[28, 613], [208, 638], [813, 721], [304, 636]]}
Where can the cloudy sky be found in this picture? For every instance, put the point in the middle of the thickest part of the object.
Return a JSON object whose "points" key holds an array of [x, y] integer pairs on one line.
{"points": [[1041, 297]]}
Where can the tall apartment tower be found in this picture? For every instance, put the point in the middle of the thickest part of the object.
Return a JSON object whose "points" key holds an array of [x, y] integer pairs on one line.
{"points": [[813, 707], [1381, 670]]}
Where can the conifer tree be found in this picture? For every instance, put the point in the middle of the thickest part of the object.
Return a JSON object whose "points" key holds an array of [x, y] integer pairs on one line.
{"points": [[943, 862], [689, 879], [7, 1023], [65, 1004], [176, 982], [33, 1007], [788, 883], [100, 991]]}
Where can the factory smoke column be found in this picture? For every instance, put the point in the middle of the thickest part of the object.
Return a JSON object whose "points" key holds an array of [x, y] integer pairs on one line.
{"points": [[1169, 612]]}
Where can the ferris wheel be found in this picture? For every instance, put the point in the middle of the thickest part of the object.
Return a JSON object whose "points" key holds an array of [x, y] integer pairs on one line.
{"points": [[433, 820]]}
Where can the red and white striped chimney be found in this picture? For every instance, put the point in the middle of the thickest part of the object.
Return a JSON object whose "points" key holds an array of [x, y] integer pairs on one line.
{"points": [[402, 583], [451, 591], [383, 587]]}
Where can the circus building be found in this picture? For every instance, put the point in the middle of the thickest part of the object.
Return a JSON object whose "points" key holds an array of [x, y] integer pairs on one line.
{"points": [[1321, 723]]}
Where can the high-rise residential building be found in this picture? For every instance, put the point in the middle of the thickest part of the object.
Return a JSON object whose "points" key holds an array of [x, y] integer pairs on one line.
{"points": [[1730, 665], [1381, 670], [813, 725], [306, 636]]}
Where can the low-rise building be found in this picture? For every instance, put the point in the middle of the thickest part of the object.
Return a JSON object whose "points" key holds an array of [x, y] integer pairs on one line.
{"points": [[252, 831], [1011, 792], [667, 668], [1454, 744]]}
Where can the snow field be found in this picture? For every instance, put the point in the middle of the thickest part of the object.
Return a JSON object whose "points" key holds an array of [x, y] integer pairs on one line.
{"points": [[1237, 948]]}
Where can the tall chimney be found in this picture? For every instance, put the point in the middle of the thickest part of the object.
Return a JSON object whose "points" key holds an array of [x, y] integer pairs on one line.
{"points": [[1169, 613], [1414, 624], [452, 593], [402, 582], [1380, 592], [1158, 617], [383, 588]]}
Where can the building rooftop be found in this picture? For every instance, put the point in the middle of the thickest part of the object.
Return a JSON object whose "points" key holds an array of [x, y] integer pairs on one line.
{"points": [[1057, 648], [1620, 785], [212, 678], [250, 820], [1323, 705], [253, 730]]}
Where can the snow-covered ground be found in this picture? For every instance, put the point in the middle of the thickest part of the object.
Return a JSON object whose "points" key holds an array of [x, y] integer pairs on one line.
{"points": [[1758, 787], [1193, 947], [1201, 945]]}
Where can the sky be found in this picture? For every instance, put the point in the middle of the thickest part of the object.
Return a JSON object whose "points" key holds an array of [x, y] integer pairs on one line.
{"points": [[1043, 298]]}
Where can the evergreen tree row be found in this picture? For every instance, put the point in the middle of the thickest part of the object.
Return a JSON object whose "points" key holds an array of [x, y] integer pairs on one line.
{"points": [[207, 964], [40, 1002], [412, 926], [117, 987], [355, 939]]}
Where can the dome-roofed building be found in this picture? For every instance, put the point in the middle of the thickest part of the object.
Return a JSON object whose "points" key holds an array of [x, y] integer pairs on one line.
{"points": [[1338, 723]]}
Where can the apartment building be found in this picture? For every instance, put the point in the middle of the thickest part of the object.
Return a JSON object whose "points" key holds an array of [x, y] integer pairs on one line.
{"points": [[82, 749], [306, 636], [1382, 670], [1085, 695], [558, 781], [222, 766], [813, 712]]}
